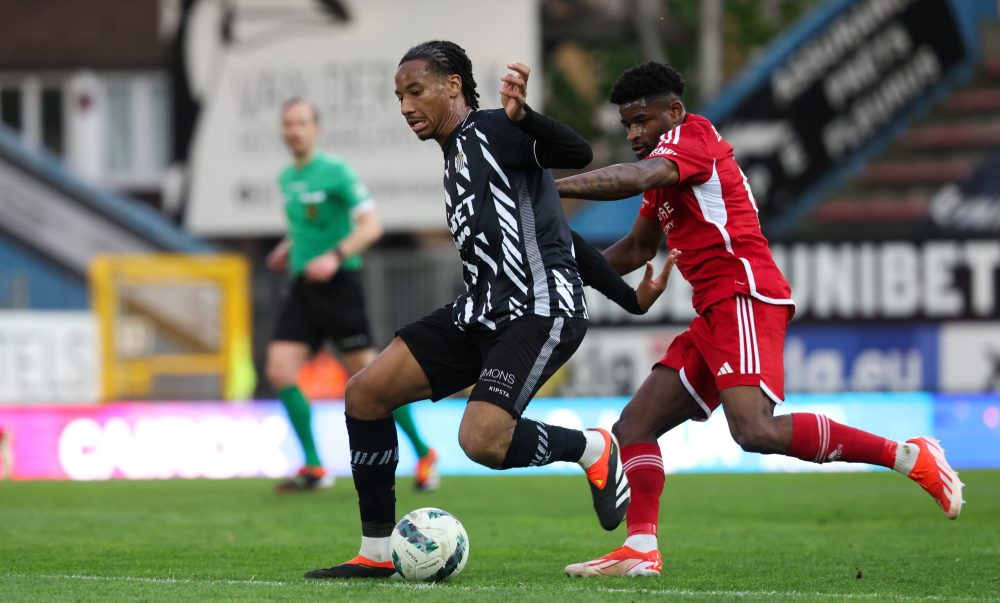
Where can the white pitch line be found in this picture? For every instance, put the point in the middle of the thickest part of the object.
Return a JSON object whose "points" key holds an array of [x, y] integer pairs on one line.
{"points": [[668, 592], [792, 594], [145, 580]]}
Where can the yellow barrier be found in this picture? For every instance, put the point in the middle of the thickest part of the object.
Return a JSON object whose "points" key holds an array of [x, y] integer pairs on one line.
{"points": [[173, 315]]}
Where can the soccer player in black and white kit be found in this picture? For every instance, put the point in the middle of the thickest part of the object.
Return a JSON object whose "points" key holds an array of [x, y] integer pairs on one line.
{"points": [[523, 313]]}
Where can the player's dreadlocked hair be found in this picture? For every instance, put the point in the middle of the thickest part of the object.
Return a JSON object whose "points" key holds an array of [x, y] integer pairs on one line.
{"points": [[646, 80], [446, 58]]}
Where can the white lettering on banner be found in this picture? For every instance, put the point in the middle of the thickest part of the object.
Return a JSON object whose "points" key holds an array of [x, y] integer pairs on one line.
{"points": [[614, 361], [834, 281], [939, 294], [937, 280], [167, 447], [869, 113], [867, 65], [951, 209], [867, 277], [839, 39], [873, 369], [48, 357], [900, 280], [969, 357], [983, 257]]}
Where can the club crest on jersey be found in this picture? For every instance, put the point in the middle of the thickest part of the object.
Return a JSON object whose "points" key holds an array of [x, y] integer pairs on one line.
{"points": [[459, 161]]}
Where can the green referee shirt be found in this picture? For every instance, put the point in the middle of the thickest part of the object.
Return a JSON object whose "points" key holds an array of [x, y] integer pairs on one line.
{"points": [[320, 200]]}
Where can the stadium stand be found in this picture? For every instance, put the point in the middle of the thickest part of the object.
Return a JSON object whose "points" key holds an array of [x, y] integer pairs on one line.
{"points": [[54, 223]]}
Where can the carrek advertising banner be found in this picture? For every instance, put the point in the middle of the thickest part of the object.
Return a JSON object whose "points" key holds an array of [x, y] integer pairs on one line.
{"points": [[213, 440]]}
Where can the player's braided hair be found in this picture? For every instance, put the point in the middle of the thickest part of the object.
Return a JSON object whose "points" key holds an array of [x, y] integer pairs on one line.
{"points": [[446, 58], [646, 80]]}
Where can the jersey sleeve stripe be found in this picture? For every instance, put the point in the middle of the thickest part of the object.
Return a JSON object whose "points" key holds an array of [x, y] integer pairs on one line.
{"points": [[713, 205], [534, 153], [365, 206]]}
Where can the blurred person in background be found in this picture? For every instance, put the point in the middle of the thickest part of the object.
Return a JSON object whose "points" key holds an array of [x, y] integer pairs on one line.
{"points": [[331, 221], [696, 197]]}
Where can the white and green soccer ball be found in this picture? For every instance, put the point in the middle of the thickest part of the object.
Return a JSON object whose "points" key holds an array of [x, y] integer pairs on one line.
{"points": [[429, 545]]}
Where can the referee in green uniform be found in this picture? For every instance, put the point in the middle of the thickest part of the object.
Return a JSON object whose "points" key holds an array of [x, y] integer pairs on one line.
{"points": [[331, 220]]}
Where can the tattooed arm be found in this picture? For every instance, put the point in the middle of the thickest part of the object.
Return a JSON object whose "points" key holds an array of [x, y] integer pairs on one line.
{"points": [[621, 180]]}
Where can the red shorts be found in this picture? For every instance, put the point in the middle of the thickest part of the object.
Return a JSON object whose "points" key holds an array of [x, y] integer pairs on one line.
{"points": [[737, 341]]}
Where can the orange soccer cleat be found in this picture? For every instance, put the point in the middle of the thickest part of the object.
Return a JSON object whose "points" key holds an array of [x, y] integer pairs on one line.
{"points": [[608, 485], [426, 476], [623, 561], [936, 476], [359, 567], [308, 479]]}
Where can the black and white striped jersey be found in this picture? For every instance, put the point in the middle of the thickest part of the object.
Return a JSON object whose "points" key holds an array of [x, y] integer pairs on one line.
{"points": [[507, 221]]}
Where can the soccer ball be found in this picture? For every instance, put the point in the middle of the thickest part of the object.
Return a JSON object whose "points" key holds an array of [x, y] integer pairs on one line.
{"points": [[429, 545]]}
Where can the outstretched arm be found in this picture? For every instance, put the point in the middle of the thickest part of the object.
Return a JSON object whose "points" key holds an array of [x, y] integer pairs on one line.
{"points": [[637, 247], [556, 144], [596, 272], [620, 181]]}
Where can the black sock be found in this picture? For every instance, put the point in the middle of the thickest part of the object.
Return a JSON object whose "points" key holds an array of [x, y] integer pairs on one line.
{"points": [[536, 444], [374, 456]]}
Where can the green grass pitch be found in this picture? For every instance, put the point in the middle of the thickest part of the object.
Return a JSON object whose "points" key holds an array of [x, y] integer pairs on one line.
{"points": [[812, 537]]}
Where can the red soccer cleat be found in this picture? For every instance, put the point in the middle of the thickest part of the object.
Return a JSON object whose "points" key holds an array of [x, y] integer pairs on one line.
{"points": [[936, 476], [623, 561]]}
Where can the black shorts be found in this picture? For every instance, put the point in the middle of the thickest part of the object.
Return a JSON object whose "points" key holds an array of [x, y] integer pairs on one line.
{"points": [[507, 367], [334, 310]]}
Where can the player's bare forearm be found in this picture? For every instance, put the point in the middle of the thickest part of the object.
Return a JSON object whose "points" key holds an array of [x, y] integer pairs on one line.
{"points": [[606, 184], [277, 259], [620, 181], [625, 256], [367, 231]]}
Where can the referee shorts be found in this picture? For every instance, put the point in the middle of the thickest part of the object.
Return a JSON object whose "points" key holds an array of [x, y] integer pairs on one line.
{"points": [[333, 310]]}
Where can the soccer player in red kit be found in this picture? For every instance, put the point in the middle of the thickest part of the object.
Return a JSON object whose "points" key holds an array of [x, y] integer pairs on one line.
{"points": [[696, 196]]}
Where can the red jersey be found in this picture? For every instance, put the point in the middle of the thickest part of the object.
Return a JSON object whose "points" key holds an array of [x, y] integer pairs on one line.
{"points": [[711, 216]]}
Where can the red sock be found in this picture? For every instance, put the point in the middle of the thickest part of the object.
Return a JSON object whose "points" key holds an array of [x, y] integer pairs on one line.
{"points": [[643, 466], [817, 439]]}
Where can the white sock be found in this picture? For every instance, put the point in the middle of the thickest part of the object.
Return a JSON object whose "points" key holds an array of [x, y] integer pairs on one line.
{"points": [[643, 543], [906, 457], [594, 448], [376, 549]]}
